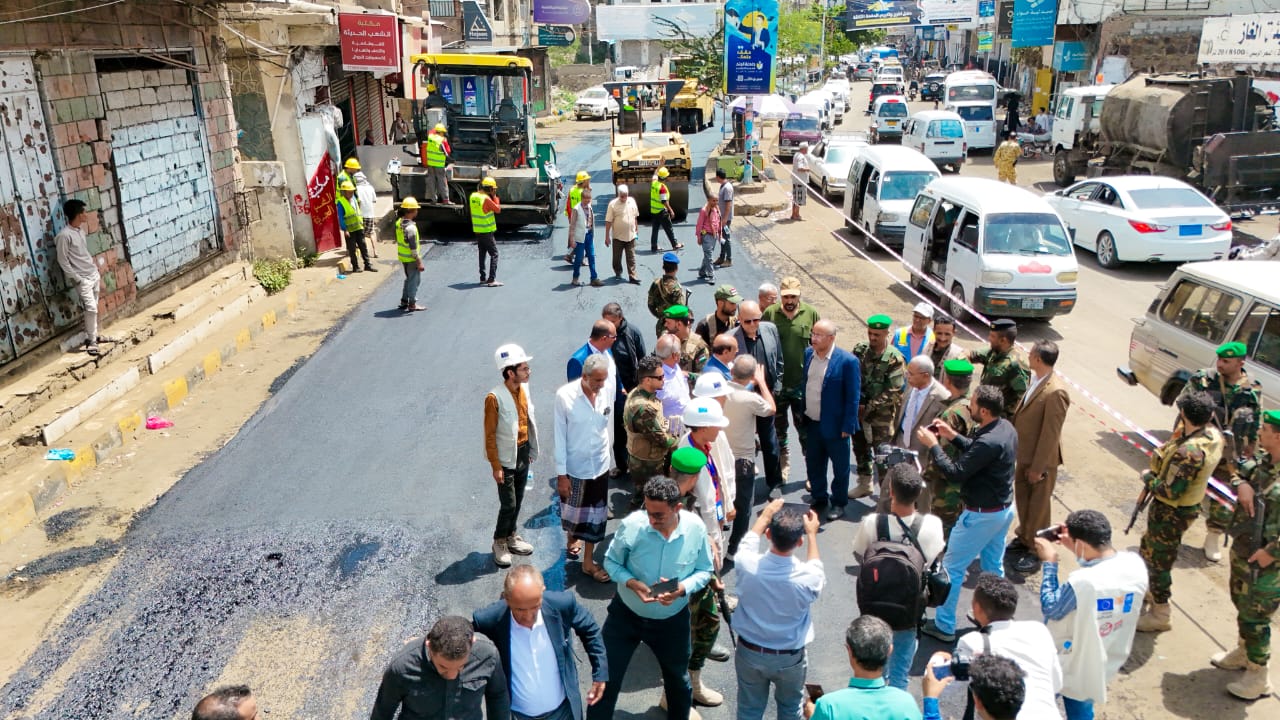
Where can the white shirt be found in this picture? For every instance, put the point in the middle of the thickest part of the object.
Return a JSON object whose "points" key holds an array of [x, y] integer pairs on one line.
{"points": [[580, 221], [931, 539], [813, 383], [536, 688], [800, 164], [583, 448], [674, 395], [621, 217], [915, 401], [1035, 383], [742, 407], [72, 247], [1029, 644]]}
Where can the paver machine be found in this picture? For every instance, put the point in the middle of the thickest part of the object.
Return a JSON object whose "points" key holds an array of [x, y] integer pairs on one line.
{"points": [[484, 102], [635, 155]]}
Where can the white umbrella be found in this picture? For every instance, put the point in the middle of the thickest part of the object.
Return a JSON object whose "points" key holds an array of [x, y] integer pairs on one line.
{"points": [[765, 107]]}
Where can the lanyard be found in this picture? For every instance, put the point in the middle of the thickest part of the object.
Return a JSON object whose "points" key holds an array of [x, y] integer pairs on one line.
{"points": [[715, 483]]}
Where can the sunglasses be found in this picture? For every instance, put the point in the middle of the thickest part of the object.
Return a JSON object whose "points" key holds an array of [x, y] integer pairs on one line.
{"points": [[750, 322]]}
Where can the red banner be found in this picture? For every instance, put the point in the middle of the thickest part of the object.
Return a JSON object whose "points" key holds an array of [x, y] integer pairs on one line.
{"points": [[370, 43], [322, 205]]}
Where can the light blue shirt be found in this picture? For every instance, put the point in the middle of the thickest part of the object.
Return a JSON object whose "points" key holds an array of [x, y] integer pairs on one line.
{"points": [[638, 551], [867, 700], [775, 594]]}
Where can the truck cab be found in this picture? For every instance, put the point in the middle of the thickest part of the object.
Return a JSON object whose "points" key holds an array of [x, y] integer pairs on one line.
{"points": [[1076, 117]]}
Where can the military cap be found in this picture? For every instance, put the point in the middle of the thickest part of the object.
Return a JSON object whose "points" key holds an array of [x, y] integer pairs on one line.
{"points": [[688, 460], [1232, 350], [728, 292], [958, 367], [1272, 418], [789, 286], [1004, 324], [671, 258], [677, 312], [879, 322]]}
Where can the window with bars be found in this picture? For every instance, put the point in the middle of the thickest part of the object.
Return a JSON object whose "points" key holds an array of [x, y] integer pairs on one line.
{"points": [[443, 8]]}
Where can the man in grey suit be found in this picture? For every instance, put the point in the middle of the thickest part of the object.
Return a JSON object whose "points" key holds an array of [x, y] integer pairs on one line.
{"points": [[924, 400], [759, 339]]}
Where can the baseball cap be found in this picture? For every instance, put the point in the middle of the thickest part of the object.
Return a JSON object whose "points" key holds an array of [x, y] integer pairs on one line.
{"points": [[923, 309], [789, 286], [728, 292]]}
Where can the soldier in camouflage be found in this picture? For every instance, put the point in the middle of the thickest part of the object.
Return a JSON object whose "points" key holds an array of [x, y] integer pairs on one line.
{"points": [[883, 375], [957, 377], [1179, 474], [1002, 366], [666, 290], [678, 320], [1255, 572], [1237, 409], [649, 438]]}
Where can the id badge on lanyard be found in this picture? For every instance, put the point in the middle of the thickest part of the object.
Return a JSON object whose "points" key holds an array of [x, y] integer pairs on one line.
{"points": [[715, 482]]}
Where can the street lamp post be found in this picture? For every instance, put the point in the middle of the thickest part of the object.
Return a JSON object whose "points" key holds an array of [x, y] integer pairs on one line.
{"points": [[822, 46]]}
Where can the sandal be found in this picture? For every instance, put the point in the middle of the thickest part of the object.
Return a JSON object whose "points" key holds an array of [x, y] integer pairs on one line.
{"points": [[598, 574], [574, 549]]}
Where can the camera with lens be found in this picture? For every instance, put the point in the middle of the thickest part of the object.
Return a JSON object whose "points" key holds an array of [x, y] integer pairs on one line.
{"points": [[887, 456], [957, 668]]}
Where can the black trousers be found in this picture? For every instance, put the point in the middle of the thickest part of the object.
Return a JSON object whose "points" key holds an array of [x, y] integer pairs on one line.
{"points": [[744, 475], [511, 494], [770, 452], [356, 243], [487, 248], [619, 435], [671, 643], [662, 221]]}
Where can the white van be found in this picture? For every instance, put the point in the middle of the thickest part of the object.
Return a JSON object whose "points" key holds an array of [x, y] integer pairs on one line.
{"points": [[979, 123], [998, 248], [939, 135], [820, 102], [889, 115], [840, 88], [837, 105], [882, 186], [970, 86]]}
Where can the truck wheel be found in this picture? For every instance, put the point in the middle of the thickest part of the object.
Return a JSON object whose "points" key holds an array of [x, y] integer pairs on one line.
{"points": [[1107, 257], [954, 307], [1062, 174]]}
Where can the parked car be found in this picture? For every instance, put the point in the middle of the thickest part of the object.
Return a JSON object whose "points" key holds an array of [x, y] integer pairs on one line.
{"points": [[882, 185], [829, 169], [884, 87], [931, 87], [863, 71], [891, 72], [1200, 307], [1143, 218], [888, 117], [939, 134], [797, 128], [594, 103]]}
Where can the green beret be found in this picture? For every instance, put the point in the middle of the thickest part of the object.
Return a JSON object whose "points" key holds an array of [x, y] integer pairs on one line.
{"points": [[677, 312], [1272, 418], [688, 460], [879, 322], [959, 367], [1232, 350]]}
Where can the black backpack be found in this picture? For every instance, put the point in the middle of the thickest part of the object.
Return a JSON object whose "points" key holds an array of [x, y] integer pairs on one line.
{"points": [[891, 577]]}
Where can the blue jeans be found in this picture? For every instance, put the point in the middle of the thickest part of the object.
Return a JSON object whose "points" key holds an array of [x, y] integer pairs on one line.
{"points": [[707, 270], [412, 279], [1078, 709], [819, 451], [898, 673], [585, 247], [976, 535], [757, 670], [671, 643]]}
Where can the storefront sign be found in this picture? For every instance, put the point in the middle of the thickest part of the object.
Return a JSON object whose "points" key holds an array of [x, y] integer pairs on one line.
{"points": [[1004, 18], [561, 12], [986, 40], [475, 26], [1033, 22], [950, 12], [750, 46], [370, 42], [1249, 39], [653, 21], [1069, 56], [864, 14], [986, 8], [556, 35]]}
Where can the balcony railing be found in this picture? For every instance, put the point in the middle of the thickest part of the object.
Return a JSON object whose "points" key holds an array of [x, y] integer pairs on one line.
{"points": [[443, 8]]}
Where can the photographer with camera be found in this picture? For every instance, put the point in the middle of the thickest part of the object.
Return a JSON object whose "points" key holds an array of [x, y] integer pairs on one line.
{"points": [[1105, 593], [893, 566], [869, 642], [996, 683]]}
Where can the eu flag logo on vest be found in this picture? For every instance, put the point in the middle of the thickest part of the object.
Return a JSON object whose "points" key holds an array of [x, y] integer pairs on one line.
{"points": [[1106, 604]]}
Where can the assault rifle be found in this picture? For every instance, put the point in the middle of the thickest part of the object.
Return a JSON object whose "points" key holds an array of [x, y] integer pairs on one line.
{"points": [[723, 603], [1144, 499]]}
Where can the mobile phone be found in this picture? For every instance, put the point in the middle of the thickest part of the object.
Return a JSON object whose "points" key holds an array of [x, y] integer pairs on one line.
{"points": [[663, 587], [1050, 533], [941, 670], [800, 509], [815, 691]]}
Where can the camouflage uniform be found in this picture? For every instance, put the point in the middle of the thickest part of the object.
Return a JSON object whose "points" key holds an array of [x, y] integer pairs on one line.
{"points": [[1005, 158], [649, 439], [694, 355], [1237, 410], [1256, 599], [1007, 371], [704, 625], [882, 379], [1179, 473], [947, 503], [663, 293]]}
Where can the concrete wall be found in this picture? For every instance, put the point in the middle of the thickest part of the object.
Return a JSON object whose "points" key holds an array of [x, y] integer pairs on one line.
{"points": [[273, 232]]}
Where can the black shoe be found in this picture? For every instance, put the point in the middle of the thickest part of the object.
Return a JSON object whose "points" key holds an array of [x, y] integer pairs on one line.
{"points": [[835, 513], [355, 270], [1016, 548], [931, 629], [1026, 564], [634, 281], [370, 268], [653, 248], [719, 654]]}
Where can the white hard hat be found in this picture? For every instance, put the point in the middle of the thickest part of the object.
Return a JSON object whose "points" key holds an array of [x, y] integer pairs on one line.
{"points": [[623, 189], [923, 308], [711, 385], [704, 412], [508, 355]]}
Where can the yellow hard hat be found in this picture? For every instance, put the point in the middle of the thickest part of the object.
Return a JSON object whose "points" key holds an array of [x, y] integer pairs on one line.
{"points": [[347, 185], [583, 176], [489, 182], [440, 128], [663, 172], [409, 204], [351, 164]]}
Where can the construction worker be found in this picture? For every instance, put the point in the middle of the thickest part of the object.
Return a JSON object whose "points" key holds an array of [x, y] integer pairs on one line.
{"points": [[352, 223], [583, 180], [408, 251], [438, 152], [660, 208], [484, 222], [1006, 159], [344, 175]]}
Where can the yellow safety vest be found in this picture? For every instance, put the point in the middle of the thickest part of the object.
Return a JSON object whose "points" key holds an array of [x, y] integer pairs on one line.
{"points": [[403, 251], [656, 188], [481, 221], [575, 197], [351, 219], [435, 151]]}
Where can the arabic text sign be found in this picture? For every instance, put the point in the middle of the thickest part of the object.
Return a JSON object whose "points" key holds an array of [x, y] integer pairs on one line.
{"points": [[556, 35], [986, 8], [561, 12], [750, 46], [949, 12], [1251, 39], [1004, 18], [653, 21], [1069, 56], [370, 42], [1033, 22], [863, 14], [475, 26], [985, 40]]}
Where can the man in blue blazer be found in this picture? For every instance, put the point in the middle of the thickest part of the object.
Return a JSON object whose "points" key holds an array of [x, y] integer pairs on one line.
{"points": [[832, 386], [532, 629]]}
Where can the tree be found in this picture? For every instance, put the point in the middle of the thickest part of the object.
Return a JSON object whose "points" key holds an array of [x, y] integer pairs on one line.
{"points": [[698, 57]]}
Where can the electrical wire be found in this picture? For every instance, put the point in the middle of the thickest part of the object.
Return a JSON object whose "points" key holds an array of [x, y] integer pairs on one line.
{"points": [[60, 14], [231, 29]]}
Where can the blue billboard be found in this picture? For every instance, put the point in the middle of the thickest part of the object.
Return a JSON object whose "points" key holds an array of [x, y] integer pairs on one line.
{"points": [[864, 14], [986, 8], [1033, 22], [750, 46], [1069, 56]]}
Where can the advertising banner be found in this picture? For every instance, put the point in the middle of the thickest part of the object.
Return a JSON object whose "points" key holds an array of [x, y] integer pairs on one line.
{"points": [[1069, 56], [949, 12], [653, 21], [1250, 39], [864, 14], [1033, 22], [561, 12], [370, 42], [1004, 19], [986, 40], [475, 26], [556, 35], [750, 46], [986, 8]]}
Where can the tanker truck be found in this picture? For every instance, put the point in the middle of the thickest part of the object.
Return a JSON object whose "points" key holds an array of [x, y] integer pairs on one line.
{"points": [[1216, 133]]}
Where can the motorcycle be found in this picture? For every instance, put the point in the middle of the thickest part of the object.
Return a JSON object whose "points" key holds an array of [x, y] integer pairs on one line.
{"points": [[913, 90], [1035, 147]]}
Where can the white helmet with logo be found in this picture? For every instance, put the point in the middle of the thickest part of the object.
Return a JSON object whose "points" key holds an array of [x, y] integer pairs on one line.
{"points": [[704, 412], [711, 385], [509, 355]]}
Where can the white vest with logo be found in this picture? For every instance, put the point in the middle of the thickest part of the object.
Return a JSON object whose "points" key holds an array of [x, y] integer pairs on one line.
{"points": [[1095, 640], [509, 425]]}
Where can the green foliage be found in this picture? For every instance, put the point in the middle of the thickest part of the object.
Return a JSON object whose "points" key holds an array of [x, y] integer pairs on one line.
{"points": [[566, 55], [1032, 57], [274, 275], [699, 57]]}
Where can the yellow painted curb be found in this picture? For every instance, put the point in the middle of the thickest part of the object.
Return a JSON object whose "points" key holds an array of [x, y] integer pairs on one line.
{"points": [[85, 461], [243, 338], [268, 320], [291, 304], [212, 363], [175, 391], [129, 425], [16, 512]]}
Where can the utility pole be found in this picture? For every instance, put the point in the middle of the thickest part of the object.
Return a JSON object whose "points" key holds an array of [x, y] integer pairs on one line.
{"points": [[822, 47]]}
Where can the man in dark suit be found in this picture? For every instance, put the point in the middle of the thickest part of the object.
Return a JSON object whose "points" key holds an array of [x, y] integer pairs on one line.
{"points": [[532, 629], [832, 389], [627, 350], [759, 339]]}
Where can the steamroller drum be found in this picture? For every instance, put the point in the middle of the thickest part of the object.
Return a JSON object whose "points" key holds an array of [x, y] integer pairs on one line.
{"points": [[679, 198]]}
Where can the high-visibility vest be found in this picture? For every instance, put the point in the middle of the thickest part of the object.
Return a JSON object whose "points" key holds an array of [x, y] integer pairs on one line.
{"points": [[435, 151], [481, 221], [656, 189], [342, 177], [405, 253], [575, 197], [351, 219]]}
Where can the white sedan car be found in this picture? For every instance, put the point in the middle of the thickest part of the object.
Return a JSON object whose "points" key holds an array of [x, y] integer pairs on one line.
{"points": [[829, 168], [595, 103], [1143, 218]]}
